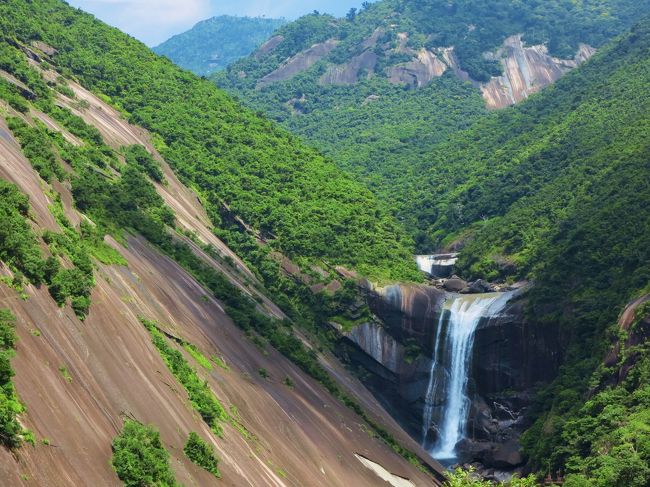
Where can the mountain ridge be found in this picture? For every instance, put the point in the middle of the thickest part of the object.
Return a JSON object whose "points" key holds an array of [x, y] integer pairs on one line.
{"points": [[215, 43]]}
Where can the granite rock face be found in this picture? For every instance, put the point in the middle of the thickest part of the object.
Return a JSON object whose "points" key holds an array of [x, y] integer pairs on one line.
{"points": [[299, 63], [526, 70]]}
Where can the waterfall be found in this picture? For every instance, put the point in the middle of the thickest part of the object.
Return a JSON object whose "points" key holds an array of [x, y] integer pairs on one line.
{"points": [[431, 388], [452, 353]]}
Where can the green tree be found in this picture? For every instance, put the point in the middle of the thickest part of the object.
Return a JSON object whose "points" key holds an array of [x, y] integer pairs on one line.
{"points": [[139, 458]]}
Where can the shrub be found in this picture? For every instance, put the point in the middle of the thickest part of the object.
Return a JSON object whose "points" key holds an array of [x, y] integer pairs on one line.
{"points": [[10, 407], [139, 458], [198, 390], [201, 453]]}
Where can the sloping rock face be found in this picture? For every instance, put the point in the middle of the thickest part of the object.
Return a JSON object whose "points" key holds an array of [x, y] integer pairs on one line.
{"points": [[302, 435], [268, 46], [299, 63], [348, 73], [373, 339], [526, 70], [419, 72], [395, 353], [635, 322], [409, 311]]}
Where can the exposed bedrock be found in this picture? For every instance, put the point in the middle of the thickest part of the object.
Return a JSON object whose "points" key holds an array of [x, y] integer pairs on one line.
{"points": [[299, 63], [526, 70], [512, 354]]}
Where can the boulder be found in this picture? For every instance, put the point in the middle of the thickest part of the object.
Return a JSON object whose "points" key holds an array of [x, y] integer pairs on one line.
{"points": [[507, 455], [454, 285], [479, 286]]}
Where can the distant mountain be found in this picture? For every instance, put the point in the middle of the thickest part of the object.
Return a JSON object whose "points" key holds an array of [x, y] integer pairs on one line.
{"points": [[215, 43]]}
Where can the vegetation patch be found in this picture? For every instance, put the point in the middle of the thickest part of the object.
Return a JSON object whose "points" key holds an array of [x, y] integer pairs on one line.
{"points": [[468, 478], [201, 359], [10, 430], [198, 390], [221, 363], [36, 147], [202, 453], [139, 457]]}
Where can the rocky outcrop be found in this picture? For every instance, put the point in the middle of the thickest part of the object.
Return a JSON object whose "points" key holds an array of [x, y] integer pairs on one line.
{"points": [[526, 70], [268, 46], [420, 72], [299, 63], [348, 73], [509, 357], [634, 322], [378, 344], [511, 354], [409, 311]]}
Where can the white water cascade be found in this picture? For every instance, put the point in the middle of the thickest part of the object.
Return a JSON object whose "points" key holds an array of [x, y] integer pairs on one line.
{"points": [[450, 366]]}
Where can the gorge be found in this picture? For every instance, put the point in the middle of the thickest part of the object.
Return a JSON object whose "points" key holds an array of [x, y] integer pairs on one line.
{"points": [[192, 294]]}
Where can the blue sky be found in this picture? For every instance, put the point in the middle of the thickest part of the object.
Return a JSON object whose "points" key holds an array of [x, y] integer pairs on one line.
{"points": [[153, 21]]}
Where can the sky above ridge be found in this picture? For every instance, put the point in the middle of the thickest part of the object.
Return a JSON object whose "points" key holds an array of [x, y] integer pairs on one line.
{"points": [[154, 21]]}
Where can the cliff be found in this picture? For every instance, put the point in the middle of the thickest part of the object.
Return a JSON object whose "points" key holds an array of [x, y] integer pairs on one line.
{"points": [[80, 379]]}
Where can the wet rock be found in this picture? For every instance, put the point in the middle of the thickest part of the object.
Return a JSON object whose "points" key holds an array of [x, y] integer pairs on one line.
{"points": [[454, 284], [507, 455], [491, 454], [479, 286]]}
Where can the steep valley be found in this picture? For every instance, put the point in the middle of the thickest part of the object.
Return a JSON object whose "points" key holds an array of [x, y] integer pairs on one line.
{"points": [[192, 295], [112, 371]]}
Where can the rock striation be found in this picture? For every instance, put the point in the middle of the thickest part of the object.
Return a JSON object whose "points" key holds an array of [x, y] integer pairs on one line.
{"points": [[509, 357], [526, 70], [299, 63]]}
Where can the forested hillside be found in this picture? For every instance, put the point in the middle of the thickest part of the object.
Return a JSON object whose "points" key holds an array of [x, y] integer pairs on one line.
{"points": [[214, 44], [557, 190], [243, 165], [378, 89]]}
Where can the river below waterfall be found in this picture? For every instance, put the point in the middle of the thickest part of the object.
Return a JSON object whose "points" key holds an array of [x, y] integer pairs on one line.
{"points": [[447, 403]]}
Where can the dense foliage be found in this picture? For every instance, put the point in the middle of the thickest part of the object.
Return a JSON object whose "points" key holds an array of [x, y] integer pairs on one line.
{"points": [[294, 197], [37, 148], [18, 244], [20, 250], [215, 43], [382, 132], [467, 478], [10, 407], [139, 457], [201, 453]]}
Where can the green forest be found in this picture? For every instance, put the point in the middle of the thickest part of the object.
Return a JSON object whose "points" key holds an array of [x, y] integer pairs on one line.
{"points": [[384, 133], [554, 190]]}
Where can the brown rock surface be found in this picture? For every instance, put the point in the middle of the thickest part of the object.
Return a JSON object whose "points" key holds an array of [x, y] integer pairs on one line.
{"points": [[526, 70], [303, 435], [299, 63]]}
